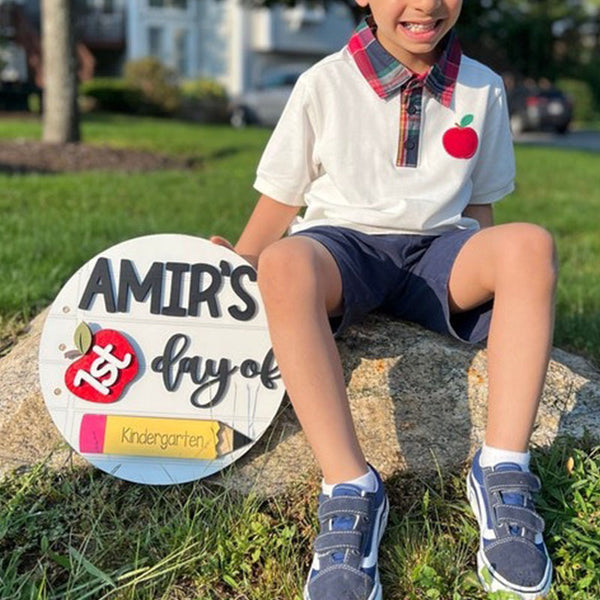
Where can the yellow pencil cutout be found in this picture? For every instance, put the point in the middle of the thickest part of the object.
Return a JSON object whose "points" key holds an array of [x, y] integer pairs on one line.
{"points": [[155, 436]]}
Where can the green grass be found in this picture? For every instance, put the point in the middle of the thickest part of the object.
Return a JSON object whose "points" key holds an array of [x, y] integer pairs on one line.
{"points": [[82, 534], [55, 223], [52, 224], [558, 189]]}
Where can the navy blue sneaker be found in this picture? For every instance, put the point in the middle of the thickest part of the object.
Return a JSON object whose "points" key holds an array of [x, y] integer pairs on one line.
{"points": [[512, 555], [344, 566]]}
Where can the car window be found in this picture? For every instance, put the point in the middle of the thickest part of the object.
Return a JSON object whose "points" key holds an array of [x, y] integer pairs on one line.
{"points": [[279, 79], [551, 94], [291, 78]]}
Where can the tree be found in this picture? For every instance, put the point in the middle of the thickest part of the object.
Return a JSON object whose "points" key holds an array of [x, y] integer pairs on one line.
{"points": [[61, 118], [535, 38], [538, 38]]}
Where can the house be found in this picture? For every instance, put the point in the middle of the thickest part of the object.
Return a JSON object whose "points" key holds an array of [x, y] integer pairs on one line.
{"points": [[230, 42], [223, 40]]}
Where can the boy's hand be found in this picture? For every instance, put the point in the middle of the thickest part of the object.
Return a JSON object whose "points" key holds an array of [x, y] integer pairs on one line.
{"points": [[221, 241], [266, 225]]}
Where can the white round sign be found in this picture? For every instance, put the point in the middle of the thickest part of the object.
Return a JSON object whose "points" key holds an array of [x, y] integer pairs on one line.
{"points": [[155, 360]]}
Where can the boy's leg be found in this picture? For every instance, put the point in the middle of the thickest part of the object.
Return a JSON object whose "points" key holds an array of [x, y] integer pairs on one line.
{"points": [[515, 264], [301, 285]]}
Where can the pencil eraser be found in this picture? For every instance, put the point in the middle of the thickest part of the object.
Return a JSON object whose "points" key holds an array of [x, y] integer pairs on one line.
{"points": [[91, 434]]}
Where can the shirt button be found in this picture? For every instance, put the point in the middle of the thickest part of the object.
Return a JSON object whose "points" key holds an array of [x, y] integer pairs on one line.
{"points": [[410, 144]]}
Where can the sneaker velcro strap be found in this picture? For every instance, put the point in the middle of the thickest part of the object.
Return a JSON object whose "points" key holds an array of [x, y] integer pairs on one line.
{"points": [[344, 505], [502, 481], [338, 540], [521, 516]]}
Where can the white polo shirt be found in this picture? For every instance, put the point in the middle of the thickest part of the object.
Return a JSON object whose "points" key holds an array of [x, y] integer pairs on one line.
{"points": [[336, 151]]}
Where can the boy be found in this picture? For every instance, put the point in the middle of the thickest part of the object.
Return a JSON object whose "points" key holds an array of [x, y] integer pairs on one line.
{"points": [[375, 142]]}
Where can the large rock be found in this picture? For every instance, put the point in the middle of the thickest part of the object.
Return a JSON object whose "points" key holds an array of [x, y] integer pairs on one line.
{"points": [[418, 399]]}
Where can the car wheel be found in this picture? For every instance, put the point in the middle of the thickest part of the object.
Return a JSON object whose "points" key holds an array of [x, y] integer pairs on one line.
{"points": [[239, 117], [517, 124], [562, 129]]}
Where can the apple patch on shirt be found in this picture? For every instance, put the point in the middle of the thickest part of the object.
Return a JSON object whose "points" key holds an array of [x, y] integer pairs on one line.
{"points": [[461, 141]]}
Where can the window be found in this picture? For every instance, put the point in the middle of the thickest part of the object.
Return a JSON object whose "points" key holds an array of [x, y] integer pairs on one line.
{"points": [[181, 52], [275, 80], [303, 14], [156, 42], [179, 4]]}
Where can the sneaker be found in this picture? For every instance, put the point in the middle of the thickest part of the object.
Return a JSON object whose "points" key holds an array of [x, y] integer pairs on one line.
{"points": [[344, 566], [512, 555]]}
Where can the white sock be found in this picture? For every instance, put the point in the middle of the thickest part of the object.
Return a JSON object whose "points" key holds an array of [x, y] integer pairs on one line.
{"points": [[491, 456], [366, 482]]}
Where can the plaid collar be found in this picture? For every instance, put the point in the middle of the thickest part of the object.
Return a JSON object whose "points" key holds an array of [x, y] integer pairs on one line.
{"points": [[386, 75]]}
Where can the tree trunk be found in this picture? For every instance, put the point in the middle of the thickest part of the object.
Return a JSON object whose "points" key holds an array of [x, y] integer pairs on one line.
{"points": [[61, 119]]}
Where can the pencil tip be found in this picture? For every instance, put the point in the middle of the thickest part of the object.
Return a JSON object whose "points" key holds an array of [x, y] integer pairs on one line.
{"points": [[239, 440]]}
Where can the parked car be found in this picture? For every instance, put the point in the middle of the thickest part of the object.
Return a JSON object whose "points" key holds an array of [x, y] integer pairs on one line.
{"points": [[263, 104], [534, 108]]}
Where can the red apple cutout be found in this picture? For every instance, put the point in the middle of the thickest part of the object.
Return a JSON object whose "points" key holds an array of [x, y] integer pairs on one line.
{"points": [[461, 141], [108, 365]]}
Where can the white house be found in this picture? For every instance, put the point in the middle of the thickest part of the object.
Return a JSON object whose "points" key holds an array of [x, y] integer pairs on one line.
{"points": [[228, 41], [221, 39]]}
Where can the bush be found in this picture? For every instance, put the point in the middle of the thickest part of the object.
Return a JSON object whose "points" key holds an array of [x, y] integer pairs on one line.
{"points": [[582, 96], [591, 73], [156, 83], [203, 89], [204, 100], [112, 94], [34, 103]]}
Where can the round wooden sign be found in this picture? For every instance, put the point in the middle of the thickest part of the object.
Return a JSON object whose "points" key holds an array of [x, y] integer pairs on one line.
{"points": [[155, 360]]}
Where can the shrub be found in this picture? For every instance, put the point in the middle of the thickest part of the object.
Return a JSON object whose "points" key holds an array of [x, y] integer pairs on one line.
{"points": [[582, 96], [34, 103], [156, 83], [204, 100], [591, 73], [203, 89], [112, 94]]}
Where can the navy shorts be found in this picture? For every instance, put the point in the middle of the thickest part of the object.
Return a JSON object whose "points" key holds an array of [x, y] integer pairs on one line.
{"points": [[404, 276]]}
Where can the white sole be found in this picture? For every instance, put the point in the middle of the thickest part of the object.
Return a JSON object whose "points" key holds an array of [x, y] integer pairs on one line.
{"points": [[377, 593], [496, 582]]}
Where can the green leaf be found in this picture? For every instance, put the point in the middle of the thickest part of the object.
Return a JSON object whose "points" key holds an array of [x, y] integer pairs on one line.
{"points": [[485, 575], [90, 568], [230, 581], [466, 120], [63, 561], [83, 337]]}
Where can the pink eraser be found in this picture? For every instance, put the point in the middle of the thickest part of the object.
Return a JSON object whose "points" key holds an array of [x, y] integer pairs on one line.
{"points": [[91, 434]]}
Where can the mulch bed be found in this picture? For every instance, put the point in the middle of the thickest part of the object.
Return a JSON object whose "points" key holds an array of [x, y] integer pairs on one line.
{"points": [[26, 156]]}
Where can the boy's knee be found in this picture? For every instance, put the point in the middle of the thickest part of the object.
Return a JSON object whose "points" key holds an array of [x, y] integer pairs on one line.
{"points": [[287, 269], [533, 248]]}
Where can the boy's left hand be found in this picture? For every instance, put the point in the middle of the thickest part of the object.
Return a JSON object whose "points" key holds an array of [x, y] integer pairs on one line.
{"points": [[221, 241]]}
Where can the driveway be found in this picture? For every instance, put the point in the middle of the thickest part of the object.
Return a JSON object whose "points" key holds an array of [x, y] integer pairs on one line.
{"points": [[578, 140]]}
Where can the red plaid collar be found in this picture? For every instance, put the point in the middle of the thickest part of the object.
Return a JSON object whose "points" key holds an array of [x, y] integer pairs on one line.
{"points": [[386, 75]]}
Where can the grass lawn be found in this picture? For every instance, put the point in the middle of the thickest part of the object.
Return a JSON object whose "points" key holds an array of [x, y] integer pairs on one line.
{"points": [[83, 534], [55, 223]]}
